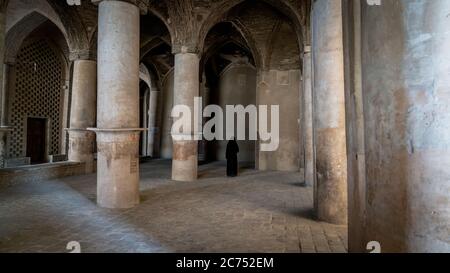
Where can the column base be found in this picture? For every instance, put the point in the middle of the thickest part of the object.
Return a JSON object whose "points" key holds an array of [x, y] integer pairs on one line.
{"points": [[331, 181], [3, 134], [185, 161], [82, 147], [117, 167]]}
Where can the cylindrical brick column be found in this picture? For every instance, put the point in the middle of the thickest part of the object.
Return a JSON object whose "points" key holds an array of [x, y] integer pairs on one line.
{"points": [[329, 112], [186, 88], [118, 105], [83, 113]]}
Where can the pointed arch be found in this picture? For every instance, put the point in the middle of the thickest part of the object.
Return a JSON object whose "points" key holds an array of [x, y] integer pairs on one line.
{"points": [[294, 11]]}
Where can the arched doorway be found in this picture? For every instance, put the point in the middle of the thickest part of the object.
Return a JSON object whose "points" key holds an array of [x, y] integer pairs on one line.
{"points": [[230, 79], [272, 37], [38, 94], [156, 56]]}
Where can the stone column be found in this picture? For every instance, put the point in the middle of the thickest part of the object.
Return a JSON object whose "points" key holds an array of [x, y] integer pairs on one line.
{"points": [[329, 112], [153, 105], [144, 117], [4, 70], [186, 88], [406, 83], [166, 150], [203, 153], [83, 113], [355, 126], [118, 105], [308, 117], [4, 129]]}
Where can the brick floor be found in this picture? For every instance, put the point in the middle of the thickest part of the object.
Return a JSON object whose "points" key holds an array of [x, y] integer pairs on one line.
{"points": [[256, 212]]}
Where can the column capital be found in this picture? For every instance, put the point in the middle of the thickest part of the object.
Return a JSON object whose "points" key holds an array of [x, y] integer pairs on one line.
{"points": [[6, 129], [183, 49], [85, 55], [141, 4], [69, 130], [117, 130], [10, 61], [307, 49]]}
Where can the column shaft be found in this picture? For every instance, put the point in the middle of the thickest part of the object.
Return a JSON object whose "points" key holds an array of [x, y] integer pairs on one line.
{"points": [[329, 112], [153, 105], [83, 113], [406, 68], [4, 89], [355, 127], [118, 105], [186, 88], [4, 70], [308, 118], [145, 121]]}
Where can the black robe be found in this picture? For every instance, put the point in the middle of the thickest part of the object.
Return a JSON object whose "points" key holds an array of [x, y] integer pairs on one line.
{"points": [[232, 160]]}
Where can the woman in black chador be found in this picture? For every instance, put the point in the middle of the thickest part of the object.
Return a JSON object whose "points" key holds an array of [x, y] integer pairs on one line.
{"points": [[232, 160]]}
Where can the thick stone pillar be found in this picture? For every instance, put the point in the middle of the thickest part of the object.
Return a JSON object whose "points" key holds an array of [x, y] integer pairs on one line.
{"points": [[166, 150], [406, 83], [152, 130], [4, 70], [118, 105], [186, 88], [329, 112], [83, 113], [308, 117], [355, 126], [4, 129]]}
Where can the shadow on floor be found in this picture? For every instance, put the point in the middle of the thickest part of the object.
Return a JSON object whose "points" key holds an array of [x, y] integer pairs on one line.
{"points": [[217, 169]]}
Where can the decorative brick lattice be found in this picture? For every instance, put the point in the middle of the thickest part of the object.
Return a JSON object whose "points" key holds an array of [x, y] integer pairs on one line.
{"points": [[37, 94]]}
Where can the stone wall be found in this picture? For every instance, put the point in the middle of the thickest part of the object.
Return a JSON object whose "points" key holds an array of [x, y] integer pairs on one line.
{"points": [[36, 91], [237, 86], [405, 68], [13, 176], [282, 87], [166, 138]]}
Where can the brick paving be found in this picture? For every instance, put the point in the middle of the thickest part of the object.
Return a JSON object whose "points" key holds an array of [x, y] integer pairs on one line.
{"points": [[255, 212]]}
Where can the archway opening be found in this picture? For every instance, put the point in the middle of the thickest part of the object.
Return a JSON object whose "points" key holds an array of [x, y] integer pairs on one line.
{"points": [[158, 60], [229, 79], [38, 95]]}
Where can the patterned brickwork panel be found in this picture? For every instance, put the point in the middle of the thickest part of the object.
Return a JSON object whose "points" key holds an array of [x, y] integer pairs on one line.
{"points": [[37, 94]]}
